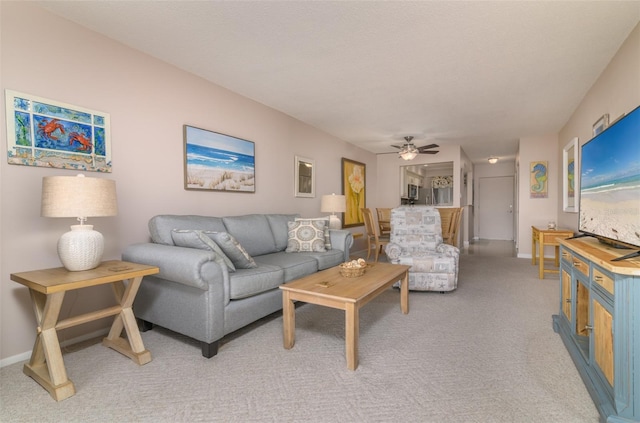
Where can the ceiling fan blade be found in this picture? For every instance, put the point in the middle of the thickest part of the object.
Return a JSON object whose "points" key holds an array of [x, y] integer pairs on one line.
{"points": [[399, 146], [429, 152], [427, 147]]}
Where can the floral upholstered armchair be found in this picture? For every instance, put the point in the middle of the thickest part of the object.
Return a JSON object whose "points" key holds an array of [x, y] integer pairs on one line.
{"points": [[416, 241]]}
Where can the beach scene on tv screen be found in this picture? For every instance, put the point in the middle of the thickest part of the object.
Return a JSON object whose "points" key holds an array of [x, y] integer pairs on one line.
{"points": [[610, 183]]}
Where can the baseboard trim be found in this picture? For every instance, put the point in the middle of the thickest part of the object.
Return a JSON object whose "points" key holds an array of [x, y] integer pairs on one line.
{"points": [[27, 354]]}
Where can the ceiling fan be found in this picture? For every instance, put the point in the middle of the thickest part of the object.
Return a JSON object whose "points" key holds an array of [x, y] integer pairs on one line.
{"points": [[409, 151]]}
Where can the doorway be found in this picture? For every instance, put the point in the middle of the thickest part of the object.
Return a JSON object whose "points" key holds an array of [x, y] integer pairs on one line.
{"points": [[495, 208]]}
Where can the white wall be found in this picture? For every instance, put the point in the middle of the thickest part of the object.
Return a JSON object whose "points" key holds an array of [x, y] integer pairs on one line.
{"points": [[149, 102], [616, 91], [536, 211]]}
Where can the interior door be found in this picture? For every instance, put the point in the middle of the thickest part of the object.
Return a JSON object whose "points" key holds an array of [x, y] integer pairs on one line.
{"points": [[495, 208]]}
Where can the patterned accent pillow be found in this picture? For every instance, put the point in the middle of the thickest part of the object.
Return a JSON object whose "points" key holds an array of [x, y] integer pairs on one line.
{"points": [[196, 239], [305, 236], [327, 236], [232, 248]]}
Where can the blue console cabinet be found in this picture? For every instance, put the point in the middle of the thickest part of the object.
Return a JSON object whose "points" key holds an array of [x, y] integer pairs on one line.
{"points": [[599, 323]]}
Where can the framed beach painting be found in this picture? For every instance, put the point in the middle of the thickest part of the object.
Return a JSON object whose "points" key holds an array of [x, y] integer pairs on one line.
{"points": [[569, 176], [304, 178], [538, 184], [218, 162], [48, 133], [354, 190]]}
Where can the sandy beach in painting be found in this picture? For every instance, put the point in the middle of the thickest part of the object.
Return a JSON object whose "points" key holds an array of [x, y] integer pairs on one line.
{"points": [[620, 222], [203, 177]]}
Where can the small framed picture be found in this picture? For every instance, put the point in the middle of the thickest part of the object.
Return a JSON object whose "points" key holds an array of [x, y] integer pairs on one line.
{"points": [[304, 177], [601, 124]]}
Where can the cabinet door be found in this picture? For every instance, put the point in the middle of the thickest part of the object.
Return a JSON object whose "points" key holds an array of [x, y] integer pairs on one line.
{"points": [[565, 296], [582, 309], [603, 339]]}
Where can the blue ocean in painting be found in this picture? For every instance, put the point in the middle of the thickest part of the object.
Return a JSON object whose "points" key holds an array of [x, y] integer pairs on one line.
{"points": [[198, 155]]}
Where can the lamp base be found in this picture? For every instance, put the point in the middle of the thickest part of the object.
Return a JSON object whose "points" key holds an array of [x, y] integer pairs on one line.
{"points": [[334, 222], [81, 248]]}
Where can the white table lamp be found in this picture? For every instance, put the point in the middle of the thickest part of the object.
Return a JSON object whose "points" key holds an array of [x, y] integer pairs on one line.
{"points": [[79, 197], [333, 204]]}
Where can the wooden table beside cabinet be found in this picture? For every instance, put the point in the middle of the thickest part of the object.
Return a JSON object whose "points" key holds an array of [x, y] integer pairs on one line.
{"points": [[47, 289], [330, 289], [599, 322], [546, 237]]}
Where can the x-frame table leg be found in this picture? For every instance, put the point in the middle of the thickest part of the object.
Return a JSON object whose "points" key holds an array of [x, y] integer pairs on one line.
{"points": [[46, 365], [131, 346]]}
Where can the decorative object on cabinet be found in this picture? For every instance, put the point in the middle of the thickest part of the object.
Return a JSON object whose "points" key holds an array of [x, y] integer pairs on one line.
{"points": [[48, 133], [601, 124], [218, 162], [305, 181], [598, 321], [333, 204], [538, 187], [354, 190], [569, 175], [79, 197]]}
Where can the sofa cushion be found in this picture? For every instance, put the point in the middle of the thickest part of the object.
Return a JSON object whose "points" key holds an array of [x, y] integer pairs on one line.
{"points": [[325, 260], [253, 232], [279, 228], [305, 235], [294, 266], [197, 239], [160, 226], [327, 236], [248, 282], [239, 256]]}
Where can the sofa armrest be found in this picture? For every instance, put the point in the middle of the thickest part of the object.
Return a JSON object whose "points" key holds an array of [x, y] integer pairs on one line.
{"points": [[341, 240], [393, 251], [187, 266], [448, 250]]}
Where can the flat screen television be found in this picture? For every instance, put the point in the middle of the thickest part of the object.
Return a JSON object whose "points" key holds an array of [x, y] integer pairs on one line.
{"points": [[610, 184]]}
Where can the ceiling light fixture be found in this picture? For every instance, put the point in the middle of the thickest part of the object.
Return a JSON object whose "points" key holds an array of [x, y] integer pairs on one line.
{"points": [[409, 153], [493, 160]]}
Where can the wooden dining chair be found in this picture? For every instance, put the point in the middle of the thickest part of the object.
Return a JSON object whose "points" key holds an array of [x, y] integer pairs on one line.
{"points": [[384, 220], [374, 240], [450, 219]]}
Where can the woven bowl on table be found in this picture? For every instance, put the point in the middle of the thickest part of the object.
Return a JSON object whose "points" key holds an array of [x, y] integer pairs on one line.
{"points": [[352, 272]]}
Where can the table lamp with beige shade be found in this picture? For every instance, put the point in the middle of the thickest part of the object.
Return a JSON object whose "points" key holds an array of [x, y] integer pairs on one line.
{"points": [[80, 197], [333, 204]]}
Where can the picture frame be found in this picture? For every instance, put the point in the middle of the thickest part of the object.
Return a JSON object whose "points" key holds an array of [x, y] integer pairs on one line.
{"points": [[304, 179], [218, 162], [354, 189], [539, 179], [570, 176], [601, 124], [47, 133]]}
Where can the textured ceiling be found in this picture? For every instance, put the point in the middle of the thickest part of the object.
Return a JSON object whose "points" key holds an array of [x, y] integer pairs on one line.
{"points": [[478, 74]]}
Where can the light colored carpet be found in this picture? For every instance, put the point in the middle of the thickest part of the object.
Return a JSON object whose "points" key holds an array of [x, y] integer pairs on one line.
{"points": [[484, 353]]}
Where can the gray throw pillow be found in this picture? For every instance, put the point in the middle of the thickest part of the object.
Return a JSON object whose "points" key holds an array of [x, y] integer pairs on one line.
{"points": [[197, 239], [327, 236], [232, 248], [305, 236]]}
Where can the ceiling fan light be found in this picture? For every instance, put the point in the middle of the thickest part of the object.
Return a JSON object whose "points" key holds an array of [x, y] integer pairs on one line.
{"points": [[408, 155]]}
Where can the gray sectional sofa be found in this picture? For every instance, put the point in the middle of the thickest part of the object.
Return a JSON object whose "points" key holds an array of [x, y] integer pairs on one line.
{"points": [[199, 294]]}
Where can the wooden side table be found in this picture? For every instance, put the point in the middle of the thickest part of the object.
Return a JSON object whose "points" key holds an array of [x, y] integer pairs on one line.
{"points": [[47, 288], [547, 237]]}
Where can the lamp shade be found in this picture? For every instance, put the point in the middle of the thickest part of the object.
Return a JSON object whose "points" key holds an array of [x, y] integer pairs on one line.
{"points": [[333, 204], [78, 196]]}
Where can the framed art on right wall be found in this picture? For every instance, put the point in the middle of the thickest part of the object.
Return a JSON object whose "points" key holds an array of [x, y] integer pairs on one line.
{"points": [[570, 176]]}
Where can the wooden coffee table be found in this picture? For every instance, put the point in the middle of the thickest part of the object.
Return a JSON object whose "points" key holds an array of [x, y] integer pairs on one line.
{"points": [[330, 289]]}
